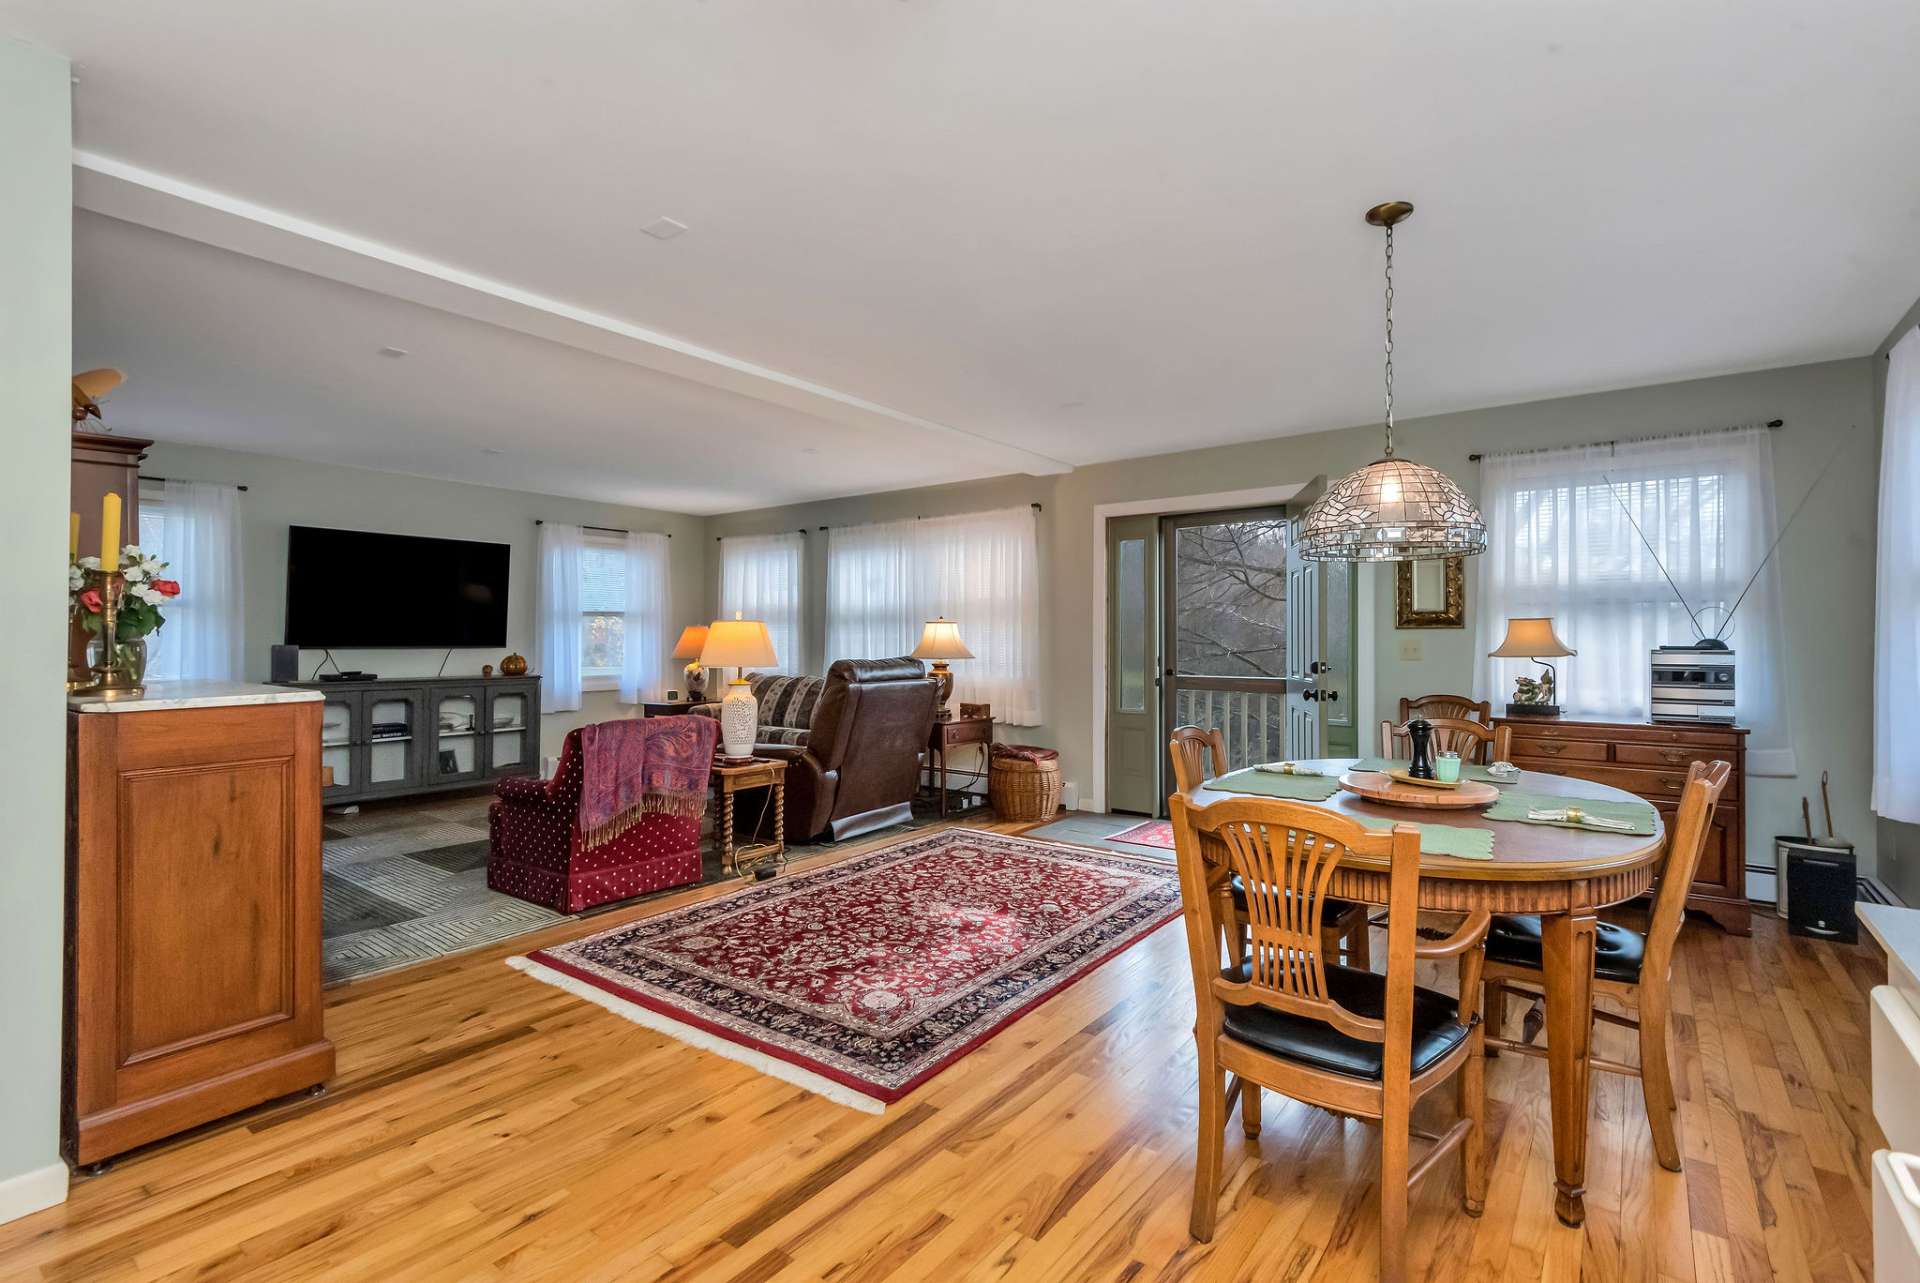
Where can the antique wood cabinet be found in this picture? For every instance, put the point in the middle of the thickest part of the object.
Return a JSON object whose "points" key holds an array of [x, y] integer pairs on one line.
{"points": [[193, 910], [1651, 759]]}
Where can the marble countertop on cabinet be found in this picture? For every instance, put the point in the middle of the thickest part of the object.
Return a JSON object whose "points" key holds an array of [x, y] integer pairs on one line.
{"points": [[161, 696]]}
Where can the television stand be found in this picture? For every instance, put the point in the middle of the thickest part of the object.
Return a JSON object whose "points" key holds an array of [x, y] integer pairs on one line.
{"points": [[397, 737]]}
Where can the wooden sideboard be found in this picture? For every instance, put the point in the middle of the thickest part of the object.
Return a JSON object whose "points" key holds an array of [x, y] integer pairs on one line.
{"points": [[193, 910], [1651, 760]]}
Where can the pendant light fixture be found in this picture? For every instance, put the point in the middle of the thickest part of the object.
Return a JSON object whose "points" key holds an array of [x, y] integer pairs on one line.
{"points": [[1393, 509]]}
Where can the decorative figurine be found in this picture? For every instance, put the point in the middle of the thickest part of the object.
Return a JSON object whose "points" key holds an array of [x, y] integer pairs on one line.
{"points": [[1420, 732], [486, 670]]}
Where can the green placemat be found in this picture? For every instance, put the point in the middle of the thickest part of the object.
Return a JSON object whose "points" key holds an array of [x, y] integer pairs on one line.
{"points": [[1468, 770], [1441, 839], [1514, 805], [1293, 788]]}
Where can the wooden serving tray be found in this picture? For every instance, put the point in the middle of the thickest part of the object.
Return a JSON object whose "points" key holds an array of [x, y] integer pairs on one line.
{"points": [[1377, 786]]}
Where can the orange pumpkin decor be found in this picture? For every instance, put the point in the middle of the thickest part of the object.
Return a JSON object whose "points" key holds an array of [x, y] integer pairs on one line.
{"points": [[514, 665]]}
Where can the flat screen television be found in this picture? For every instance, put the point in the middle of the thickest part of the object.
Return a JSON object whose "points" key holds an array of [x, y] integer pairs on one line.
{"points": [[364, 590]]}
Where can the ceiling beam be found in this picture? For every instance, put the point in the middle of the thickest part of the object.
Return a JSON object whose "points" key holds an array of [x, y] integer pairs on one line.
{"points": [[127, 192]]}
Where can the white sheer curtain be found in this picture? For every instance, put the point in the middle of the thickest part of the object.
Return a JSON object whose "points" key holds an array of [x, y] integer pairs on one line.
{"points": [[1896, 640], [195, 528], [647, 615], [1561, 543], [558, 623], [980, 570], [761, 577]]}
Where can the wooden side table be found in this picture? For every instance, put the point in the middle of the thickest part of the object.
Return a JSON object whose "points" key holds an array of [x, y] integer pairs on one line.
{"points": [[730, 778], [950, 734], [665, 709]]}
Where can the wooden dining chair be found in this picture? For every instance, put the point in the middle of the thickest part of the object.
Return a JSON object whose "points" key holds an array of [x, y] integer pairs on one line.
{"points": [[1460, 707], [1290, 1020], [1474, 742], [1200, 754], [1627, 966]]}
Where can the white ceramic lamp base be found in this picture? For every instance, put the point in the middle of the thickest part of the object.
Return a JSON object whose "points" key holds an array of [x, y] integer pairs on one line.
{"points": [[739, 719]]}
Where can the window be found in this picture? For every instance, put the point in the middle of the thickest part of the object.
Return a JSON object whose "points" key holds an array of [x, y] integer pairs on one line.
{"points": [[1633, 546], [980, 570], [603, 609], [195, 528], [760, 578], [603, 612]]}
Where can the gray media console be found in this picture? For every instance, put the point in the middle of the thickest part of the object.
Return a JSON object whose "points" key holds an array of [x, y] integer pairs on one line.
{"points": [[395, 737]]}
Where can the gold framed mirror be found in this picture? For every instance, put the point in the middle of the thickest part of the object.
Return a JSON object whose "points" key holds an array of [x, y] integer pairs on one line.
{"points": [[1430, 594]]}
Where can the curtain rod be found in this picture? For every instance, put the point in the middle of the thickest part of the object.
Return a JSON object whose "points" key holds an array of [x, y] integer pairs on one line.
{"points": [[144, 477], [613, 530], [1665, 436], [723, 538], [923, 516]]}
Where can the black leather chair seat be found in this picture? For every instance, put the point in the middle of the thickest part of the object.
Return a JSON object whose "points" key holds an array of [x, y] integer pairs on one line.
{"points": [[1617, 952], [1329, 907], [1314, 1043]]}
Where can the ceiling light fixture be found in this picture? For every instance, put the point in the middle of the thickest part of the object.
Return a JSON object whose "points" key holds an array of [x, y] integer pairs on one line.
{"points": [[1393, 509], [393, 351]]}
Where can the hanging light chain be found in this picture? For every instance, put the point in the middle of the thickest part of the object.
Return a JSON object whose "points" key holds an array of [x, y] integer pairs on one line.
{"points": [[1389, 340]]}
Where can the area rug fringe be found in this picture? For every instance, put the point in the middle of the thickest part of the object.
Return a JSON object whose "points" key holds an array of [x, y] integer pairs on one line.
{"points": [[838, 1093]]}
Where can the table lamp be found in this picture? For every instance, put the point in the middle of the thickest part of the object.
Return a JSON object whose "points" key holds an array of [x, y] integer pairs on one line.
{"points": [[1530, 639], [940, 641], [738, 644], [693, 639]]}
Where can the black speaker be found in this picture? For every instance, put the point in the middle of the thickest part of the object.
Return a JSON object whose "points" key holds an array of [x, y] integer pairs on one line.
{"points": [[285, 664], [1821, 889]]}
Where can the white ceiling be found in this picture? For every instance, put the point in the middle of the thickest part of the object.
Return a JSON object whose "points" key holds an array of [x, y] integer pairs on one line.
{"points": [[1082, 229]]}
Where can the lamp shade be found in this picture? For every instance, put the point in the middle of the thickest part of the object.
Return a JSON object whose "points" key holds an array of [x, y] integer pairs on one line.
{"points": [[1530, 639], [693, 640], [941, 640], [1392, 510], [738, 643]]}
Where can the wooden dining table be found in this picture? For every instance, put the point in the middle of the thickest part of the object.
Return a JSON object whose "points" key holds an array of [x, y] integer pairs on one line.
{"points": [[1564, 875]]}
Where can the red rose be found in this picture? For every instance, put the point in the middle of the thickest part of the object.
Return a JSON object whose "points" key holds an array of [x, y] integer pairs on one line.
{"points": [[91, 600], [167, 587]]}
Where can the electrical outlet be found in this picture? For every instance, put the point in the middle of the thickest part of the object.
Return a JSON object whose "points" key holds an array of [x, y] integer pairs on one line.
{"points": [[1409, 648]]}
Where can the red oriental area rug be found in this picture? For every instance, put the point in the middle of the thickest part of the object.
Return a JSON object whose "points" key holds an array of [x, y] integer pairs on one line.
{"points": [[862, 980], [1157, 833]]}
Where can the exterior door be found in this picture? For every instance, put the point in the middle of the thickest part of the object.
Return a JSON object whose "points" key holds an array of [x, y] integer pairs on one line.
{"points": [[1227, 633], [1305, 733], [1135, 743]]}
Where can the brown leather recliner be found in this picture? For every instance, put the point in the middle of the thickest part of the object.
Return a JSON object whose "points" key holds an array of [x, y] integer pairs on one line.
{"points": [[861, 763]]}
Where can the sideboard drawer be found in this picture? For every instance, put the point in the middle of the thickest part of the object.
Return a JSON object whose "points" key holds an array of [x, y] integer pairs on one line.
{"points": [[1677, 756], [1560, 750]]}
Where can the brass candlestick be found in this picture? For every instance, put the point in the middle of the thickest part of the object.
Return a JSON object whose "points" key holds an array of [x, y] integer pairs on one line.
{"points": [[110, 680]]}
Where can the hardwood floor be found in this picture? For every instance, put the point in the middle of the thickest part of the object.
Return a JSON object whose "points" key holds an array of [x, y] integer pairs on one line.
{"points": [[486, 1126]]}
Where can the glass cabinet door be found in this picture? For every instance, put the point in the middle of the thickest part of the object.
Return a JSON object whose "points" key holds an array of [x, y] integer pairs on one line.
{"points": [[394, 739], [339, 730], [509, 751], [457, 751]]}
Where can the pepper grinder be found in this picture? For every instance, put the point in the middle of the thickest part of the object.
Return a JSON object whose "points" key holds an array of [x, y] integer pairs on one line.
{"points": [[1420, 732]]}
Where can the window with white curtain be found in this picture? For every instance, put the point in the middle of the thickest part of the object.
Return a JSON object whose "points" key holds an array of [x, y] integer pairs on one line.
{"points": [[980, 570], [761, 577], [195, 528], [603, 612], [1896, 649], [1607, 540]]}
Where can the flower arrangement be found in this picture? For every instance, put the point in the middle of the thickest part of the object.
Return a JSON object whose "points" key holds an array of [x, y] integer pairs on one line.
{"points": [[141, 592]]}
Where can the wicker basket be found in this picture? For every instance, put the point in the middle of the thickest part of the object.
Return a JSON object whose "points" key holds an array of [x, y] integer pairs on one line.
{"points": [[1022, 790]]}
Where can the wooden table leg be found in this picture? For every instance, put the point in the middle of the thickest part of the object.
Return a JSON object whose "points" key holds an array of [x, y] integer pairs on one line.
{"points": [[1567, 961], [943, 781], [780, 816], [727, 859]]}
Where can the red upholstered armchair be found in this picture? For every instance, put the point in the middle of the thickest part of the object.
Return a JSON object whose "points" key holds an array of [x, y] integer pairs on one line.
{"points": [[538, 853]]}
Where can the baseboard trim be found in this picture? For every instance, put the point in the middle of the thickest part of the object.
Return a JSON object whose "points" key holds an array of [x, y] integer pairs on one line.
{"points": [[33, 1191]]}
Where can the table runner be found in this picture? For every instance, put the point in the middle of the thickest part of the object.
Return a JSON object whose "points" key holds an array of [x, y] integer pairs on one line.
{"points": [[1441, 839], [1291, 788]]}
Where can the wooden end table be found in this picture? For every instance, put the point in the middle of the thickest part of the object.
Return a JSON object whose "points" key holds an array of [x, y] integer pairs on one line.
{"points": [[950, 734], [729, 778], [673, 709]]}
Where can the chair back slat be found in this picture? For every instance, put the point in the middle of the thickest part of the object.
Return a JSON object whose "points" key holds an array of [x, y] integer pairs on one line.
{"points": [[1199, 754], [1692, 827], [1474, 742], [1286, 855], [1461, 707]]}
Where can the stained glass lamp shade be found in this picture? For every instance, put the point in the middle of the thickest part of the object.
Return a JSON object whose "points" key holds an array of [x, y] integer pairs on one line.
{"points": [[1393, 510]]}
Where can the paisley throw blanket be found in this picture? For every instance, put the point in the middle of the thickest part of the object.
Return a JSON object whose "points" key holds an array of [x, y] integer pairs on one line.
{"points": [[631, 768]]}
